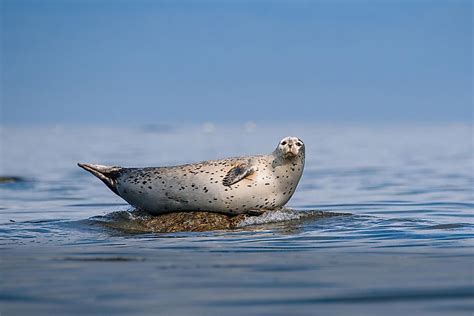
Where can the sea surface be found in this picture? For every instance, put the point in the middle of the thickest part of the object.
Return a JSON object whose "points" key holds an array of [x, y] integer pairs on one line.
{"points": [[404, 248]]}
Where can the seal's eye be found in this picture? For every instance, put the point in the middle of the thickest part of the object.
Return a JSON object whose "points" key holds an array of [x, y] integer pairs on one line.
{"points": [[298, 144], [283, 143]]}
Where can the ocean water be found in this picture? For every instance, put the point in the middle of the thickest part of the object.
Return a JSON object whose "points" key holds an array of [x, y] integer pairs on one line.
{"points": [[404, 246]]}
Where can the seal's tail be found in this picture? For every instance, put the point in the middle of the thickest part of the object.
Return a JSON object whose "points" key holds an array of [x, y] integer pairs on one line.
{"points": [[107, 174]]}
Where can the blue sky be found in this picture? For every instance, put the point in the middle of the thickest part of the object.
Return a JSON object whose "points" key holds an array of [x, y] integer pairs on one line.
{"points": [[142, 62]]}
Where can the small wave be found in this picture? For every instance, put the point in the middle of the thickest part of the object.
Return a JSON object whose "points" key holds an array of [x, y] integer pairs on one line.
{"points": [[276, 216], [115, 216], [447, 226], [128, 221], [369, 297], [285, 215], [103, 258]]}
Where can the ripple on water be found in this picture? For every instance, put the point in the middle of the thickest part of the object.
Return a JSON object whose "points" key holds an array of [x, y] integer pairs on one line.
{"points": [[409, 241]]}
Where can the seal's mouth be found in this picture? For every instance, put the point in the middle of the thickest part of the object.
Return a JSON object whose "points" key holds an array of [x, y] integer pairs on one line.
{"points": [[290, 152]]}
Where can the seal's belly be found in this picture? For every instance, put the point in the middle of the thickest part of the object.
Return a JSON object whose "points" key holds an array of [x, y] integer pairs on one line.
{"points": [[170, 192]]}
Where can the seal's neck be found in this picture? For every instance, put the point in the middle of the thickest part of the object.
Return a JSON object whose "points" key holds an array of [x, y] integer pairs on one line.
{"points": [[279, 160]]}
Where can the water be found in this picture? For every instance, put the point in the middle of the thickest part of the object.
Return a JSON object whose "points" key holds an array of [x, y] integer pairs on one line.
{"points": [[406, 247]]}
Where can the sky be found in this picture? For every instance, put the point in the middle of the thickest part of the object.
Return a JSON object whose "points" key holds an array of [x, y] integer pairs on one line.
{"points": [[147, 62]]}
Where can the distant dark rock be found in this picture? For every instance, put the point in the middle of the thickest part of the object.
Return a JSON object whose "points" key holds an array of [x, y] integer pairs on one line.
{"points": [[11, 179]]}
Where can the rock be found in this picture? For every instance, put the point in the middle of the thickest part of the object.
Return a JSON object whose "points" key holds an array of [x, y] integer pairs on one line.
{"points": [[190, 222], [140, 221], [11, 179]]}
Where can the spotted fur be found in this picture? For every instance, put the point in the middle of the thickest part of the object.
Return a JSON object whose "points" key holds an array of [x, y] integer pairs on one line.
{"points": [[230, 186]]}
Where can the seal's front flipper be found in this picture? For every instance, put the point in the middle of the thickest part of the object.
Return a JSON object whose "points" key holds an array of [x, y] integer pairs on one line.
{"points": [[238, 173], [105, 173]]}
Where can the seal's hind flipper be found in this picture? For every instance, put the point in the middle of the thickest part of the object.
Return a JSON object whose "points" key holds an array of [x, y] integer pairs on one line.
{"points": [[238, 173], [105, 173]]}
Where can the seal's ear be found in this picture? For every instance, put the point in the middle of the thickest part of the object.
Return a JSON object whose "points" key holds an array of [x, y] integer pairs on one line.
{"points": [[239, 172]]}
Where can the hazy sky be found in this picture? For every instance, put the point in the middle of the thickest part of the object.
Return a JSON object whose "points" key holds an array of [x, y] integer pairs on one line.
{"points": [[143, 62]]}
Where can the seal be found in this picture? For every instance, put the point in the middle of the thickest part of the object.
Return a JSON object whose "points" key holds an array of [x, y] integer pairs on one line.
{"points": [[249, 184]]}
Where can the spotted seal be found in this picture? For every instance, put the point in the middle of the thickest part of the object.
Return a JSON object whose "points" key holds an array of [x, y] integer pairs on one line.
{"points": [[230, 186]]}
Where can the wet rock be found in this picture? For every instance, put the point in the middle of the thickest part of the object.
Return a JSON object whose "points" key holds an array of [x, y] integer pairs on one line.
{"points": [[11, 179], [190, 222], [140, 221]]}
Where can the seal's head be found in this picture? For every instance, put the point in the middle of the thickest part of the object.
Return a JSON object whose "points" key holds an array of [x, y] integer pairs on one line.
{"points": [[290, 147]]}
